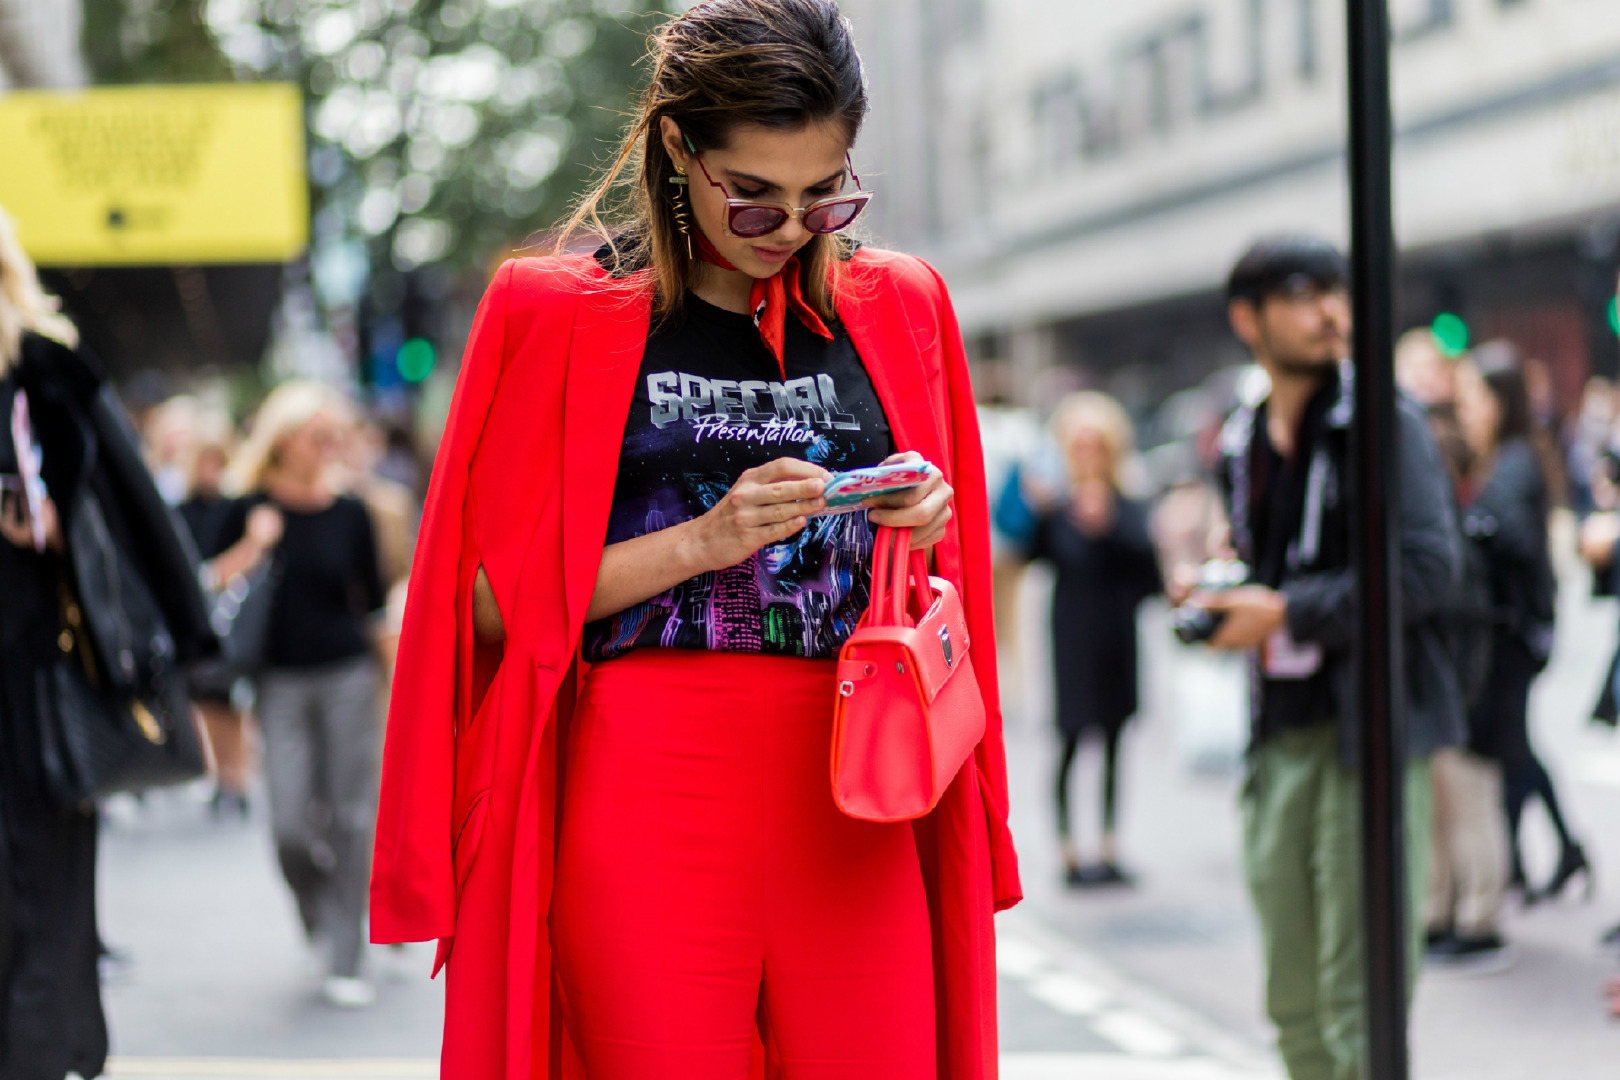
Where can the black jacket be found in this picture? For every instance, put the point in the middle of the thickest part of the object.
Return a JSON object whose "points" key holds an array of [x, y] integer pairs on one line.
{"points": [[1320, 584], [50, 1009], [1101, 582], [1507, 522], [100, 483], [1509, 519]]}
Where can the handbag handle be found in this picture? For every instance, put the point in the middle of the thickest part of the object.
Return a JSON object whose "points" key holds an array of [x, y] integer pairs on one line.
{"points": [[895, 576]]}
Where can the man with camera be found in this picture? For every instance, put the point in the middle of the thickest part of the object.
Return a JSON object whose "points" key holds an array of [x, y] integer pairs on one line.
{"points": [[1284, 473]]}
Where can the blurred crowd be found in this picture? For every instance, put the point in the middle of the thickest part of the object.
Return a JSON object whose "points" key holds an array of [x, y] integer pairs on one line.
{"points": [[1119, 524], [189, 594], [304, 518]]}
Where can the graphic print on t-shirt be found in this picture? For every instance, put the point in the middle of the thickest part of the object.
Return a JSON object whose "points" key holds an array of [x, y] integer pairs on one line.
{"points": [[710, 404]]}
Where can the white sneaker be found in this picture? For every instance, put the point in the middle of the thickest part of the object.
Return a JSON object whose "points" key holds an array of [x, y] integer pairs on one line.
{"points": [[348, 992]]}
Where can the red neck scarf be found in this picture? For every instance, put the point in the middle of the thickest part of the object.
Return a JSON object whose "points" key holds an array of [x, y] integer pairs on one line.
{"points": [[769, 301]]}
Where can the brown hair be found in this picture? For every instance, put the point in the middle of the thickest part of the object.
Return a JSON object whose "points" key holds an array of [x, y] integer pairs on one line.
{"points": [[780, 64]]}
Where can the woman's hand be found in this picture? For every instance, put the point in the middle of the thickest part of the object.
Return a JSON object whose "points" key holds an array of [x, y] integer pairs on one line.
{"points": [[18, 529], [1598, 537], [924, 509], [765, 506], [261, 533], [265, 526]]}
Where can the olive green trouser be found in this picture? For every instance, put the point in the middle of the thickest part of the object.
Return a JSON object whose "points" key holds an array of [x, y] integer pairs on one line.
{"points": [[1302, 856]]}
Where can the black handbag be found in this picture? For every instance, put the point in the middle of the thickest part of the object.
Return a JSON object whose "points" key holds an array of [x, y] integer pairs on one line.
{"points": [[239, 612], [95, 741]]}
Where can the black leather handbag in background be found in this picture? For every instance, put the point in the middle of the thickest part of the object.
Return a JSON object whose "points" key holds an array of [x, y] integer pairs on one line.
{"points": [[239, 612], [115, 717]]}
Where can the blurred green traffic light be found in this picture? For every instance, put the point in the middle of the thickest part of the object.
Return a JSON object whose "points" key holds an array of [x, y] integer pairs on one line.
{"points": [[415, 359], [1450, 333], [1614, 314]]}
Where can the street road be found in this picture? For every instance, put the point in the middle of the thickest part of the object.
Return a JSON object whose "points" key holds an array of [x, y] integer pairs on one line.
{"points": [[1156, 983]]}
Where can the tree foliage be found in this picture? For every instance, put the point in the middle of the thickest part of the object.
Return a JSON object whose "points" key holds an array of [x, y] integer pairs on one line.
{"points": [[442, 132]]}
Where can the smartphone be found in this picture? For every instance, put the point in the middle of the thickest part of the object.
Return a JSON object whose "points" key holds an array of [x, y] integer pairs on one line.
{"points": [[847, 491]]}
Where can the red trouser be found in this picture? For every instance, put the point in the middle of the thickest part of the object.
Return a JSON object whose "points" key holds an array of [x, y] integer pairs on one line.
{"points": [[706, 883]]}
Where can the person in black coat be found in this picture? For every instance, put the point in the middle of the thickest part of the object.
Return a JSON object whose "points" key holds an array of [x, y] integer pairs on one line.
{"points": [[1097, 540], [1508, 519], [51, 1020]]}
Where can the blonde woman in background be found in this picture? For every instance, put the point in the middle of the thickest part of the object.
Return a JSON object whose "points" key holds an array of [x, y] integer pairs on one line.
{"points": [[395, 513], [317, 696], [1098, 542], [169, 432]]}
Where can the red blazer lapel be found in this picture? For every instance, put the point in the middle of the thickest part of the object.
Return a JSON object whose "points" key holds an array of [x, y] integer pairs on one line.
{"points": [[610, 336]]}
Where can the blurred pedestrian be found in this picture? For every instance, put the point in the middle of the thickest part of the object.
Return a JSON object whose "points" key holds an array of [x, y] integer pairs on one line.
{"points": [[395, 511], [59, 413], [317, 694], [1284, 472], [1546, 429], [209, 515], [1598, 544], [1098, 542], [1468, 836], [1591, 449], [1507, 517], [169, 432], [1429, 374], [652, 512], [395, 515]]}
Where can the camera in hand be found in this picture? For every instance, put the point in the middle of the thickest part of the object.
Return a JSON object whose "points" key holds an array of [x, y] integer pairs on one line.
{"points": [[1194, 623]]}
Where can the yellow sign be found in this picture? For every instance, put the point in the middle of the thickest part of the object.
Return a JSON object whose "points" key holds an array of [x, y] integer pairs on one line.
{"points": [[152, 175]]}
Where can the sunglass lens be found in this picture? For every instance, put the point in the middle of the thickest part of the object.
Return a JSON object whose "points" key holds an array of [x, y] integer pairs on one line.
{"points": [[756, 220], [828, 219]]}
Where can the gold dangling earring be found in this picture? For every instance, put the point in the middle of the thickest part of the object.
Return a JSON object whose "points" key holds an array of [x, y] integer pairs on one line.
{"points": [[682, 215]]}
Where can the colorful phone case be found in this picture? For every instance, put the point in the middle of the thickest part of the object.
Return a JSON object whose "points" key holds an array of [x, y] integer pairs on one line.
{"points": [[847, 490]]}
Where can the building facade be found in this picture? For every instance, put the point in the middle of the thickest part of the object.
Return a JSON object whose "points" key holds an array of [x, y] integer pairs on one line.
{"points": [[1084, 172]]}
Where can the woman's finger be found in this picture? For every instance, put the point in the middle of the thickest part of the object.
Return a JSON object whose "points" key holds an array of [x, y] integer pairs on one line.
{"points": [[788, 491], [914, 516], [775, 534], [785, 469], [934, 532], [899, 500], [763, 514]]}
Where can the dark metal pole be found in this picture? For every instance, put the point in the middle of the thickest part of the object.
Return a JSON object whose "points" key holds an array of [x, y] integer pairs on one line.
{"points": [[1376, 542]]}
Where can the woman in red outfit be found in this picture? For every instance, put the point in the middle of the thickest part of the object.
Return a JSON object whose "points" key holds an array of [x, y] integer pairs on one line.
{"points": [[606, 784]]}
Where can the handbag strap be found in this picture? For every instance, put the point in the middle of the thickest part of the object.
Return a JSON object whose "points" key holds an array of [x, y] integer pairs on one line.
{"points": [[921, 586], [895, 576]]}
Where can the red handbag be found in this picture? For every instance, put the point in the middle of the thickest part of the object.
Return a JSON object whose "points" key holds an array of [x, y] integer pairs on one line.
{"points": [[908, 711]]}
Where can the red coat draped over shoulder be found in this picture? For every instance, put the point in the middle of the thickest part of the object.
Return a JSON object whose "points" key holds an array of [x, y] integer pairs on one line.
{"points": [[522, 486]]}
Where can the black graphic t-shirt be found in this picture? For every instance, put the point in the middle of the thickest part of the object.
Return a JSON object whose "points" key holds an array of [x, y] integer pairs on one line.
{"points": [[711, 403]]}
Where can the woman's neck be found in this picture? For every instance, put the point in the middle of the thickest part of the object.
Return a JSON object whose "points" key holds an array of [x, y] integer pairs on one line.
{"points": [[298, 492], [728, 290]]}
